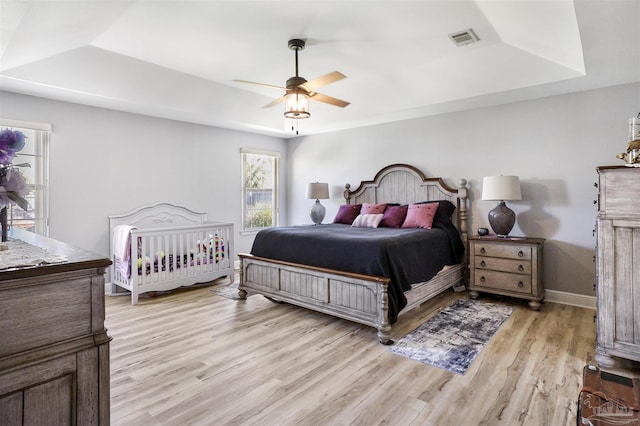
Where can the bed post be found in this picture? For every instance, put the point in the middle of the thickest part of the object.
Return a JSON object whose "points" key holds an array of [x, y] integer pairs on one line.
{"points": [[462, 222], [242, 293], [384, 327], [347, 193]]}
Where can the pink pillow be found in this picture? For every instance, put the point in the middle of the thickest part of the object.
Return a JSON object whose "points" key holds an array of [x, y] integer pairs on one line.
{"points": [[420, 215], [394, 216], [373, 208], [347, 213]]}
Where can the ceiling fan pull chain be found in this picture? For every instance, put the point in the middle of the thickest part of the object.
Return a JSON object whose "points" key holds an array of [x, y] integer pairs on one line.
{"points": [[294, 125]]}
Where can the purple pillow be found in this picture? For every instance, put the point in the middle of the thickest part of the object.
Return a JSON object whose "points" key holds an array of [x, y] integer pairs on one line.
{"points": [[347, 213], [394, 216]]}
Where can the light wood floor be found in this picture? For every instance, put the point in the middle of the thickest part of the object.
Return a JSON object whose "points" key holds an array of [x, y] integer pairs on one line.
{"points": [[195, 358]]}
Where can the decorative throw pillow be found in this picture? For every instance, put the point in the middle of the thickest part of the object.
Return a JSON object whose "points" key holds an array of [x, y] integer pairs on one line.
{"points": [[420, 215], [347, 213], [372, 208], [394, 216], [444, 212], [367, 220]]}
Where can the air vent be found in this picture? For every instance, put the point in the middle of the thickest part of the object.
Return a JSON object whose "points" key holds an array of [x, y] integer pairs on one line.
{"points": [[462, 38]]}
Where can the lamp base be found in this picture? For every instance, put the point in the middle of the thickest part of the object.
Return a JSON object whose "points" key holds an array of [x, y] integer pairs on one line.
{"points": [[502, 219], [317, 213]]}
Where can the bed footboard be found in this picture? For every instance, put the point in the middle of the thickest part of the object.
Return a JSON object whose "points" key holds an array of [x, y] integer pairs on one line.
{"points": [[360, 298]]}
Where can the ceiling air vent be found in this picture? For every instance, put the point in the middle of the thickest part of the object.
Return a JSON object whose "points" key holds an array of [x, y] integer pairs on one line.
{"points": [[464, 37]]}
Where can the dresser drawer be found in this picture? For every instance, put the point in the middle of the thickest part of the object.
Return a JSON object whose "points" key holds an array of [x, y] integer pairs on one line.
{"points": [[502, 281], [505, 265], [508, 251]]}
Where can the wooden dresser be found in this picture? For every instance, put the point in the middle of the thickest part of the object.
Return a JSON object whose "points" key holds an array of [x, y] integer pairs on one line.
{"points": [[507, 266], [54, 348], [618, 265]]}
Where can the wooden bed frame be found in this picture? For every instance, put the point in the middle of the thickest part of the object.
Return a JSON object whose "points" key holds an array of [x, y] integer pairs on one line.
{"points": [[356, 297]]}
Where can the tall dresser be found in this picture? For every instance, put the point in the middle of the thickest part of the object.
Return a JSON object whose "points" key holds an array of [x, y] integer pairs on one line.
{"points": [[54, 348], [618, 265]]}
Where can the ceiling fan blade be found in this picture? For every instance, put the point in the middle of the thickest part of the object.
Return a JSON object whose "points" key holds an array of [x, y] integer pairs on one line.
{"points": [[329, 100], [316, 83], [274, 102], [260, 84]]}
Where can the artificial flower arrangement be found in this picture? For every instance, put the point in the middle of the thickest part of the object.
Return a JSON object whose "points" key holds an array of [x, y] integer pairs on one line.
{"points": [[13, 187]]}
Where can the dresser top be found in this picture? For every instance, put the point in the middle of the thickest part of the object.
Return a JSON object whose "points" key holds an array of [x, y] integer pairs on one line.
{"points": [[76, 258], [601, 169], [510, 240]]}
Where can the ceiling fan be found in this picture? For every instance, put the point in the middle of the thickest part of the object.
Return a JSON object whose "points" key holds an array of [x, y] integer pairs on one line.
{"points": [[298, 90]]}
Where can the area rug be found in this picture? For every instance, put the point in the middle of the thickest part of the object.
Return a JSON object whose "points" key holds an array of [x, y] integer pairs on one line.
{"points": [[229, 291], [453, 338]]}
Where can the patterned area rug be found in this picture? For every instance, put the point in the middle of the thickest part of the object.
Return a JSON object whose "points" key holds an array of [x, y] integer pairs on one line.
{"points": [[453, 338], [229, 291]]}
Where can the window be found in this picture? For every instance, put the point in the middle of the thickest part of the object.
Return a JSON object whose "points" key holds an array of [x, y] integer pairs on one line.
{"points": [[259, 189], [36, 154]]}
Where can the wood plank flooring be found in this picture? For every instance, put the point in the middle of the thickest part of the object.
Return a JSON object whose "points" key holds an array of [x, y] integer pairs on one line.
{"points": [[195, 358]]}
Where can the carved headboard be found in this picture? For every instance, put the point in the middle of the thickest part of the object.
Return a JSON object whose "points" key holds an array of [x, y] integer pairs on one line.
{"points": [[159, 215], [405, 184]]}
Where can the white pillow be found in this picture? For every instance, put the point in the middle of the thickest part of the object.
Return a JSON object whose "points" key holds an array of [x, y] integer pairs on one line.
{"points": [[367, 220]]}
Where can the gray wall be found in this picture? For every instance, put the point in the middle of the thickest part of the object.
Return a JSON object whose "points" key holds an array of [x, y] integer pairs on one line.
{"points": [[554, 144], [105, 162]]}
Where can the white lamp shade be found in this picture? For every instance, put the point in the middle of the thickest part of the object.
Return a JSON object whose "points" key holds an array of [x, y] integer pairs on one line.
{"points": [[318, 191], [501, 188]]}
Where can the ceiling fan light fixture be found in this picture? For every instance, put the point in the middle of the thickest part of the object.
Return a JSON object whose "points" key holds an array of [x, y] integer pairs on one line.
{"points": [[299, 91], [296, 106]]}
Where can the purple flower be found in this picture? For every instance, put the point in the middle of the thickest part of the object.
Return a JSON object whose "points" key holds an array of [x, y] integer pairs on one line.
{"points": [[6, 156], [13, 189], [14, 182], [11, 141]]}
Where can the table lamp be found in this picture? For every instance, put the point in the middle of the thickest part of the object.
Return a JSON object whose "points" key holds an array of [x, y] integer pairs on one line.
{"points": [[501, 188], [318, 191]]}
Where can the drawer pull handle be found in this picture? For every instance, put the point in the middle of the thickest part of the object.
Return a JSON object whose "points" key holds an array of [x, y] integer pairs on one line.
{"points": [[482, 250], [520, 284], [482, 279], [483, 263], [520, 268], [520, 253]]}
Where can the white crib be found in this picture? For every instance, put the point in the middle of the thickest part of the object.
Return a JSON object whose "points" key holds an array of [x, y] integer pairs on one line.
{"points": [[167, 247]]}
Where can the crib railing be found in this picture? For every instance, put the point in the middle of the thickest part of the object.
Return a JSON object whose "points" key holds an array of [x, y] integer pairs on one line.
{"points": [[170, 257]]}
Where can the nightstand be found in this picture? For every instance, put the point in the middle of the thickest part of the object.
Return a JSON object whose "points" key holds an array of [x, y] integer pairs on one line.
{"points": [[507, 266]]}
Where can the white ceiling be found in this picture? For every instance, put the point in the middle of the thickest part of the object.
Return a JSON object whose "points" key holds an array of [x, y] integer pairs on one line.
{"points": [[177, 59]]}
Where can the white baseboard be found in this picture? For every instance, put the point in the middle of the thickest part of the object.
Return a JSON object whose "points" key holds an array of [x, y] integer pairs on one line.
{"points": [[573, 299]]}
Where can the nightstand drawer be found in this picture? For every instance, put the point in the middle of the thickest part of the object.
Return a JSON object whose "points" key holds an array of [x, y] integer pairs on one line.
{"points": [[503, 281], [508, 251], [505, 265]]}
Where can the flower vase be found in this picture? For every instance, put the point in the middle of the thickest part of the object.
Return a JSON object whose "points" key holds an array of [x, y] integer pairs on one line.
{"points": [[3, 223]]}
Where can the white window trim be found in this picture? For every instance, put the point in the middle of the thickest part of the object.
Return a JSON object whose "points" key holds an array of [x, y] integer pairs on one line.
{"points": [[26, 124], [42, 226], [276, 184]]}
